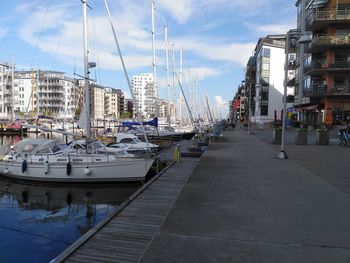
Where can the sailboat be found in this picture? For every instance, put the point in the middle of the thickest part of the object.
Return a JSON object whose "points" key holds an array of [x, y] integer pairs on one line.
{"points": [[47, 160]]}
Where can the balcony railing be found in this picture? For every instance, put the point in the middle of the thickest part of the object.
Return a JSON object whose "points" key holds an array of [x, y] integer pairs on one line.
{"points": [[318, 19], [339, 90], [322, 42], [292, 64], [320, 67], [330, 40], [264, 102], [315, 91], [291, 82], [323, 90]]}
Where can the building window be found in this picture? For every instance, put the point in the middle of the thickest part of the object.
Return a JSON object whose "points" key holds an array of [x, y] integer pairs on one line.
{"points": [[266, 52]]}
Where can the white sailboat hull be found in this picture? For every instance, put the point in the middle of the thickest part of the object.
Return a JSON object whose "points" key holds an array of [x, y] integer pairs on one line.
{"points": [[121, 169]]}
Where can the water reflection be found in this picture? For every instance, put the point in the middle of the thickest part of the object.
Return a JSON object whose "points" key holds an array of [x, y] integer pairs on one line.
{"points": [[43, 219]]}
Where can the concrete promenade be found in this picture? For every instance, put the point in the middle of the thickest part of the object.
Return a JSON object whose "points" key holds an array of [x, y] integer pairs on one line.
{"points": [[242, 204]]}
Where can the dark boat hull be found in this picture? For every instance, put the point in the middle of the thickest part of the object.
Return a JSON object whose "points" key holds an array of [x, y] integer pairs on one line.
{"points": [[174, 136], [13, 131]]}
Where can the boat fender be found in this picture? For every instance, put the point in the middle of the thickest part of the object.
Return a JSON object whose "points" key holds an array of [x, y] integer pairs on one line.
{"points": [[69, 198], [69, 168], [87, 171], [25, 197], [46, 167], [6, 171], [24, 166]]}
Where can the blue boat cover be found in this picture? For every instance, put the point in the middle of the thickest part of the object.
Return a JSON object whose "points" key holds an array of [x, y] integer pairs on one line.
{"points": [[153, 122]]}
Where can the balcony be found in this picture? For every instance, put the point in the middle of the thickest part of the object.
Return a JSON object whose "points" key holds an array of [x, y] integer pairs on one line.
{"points": [[315, 91], [291, 82], [319, 19], [51, 105], [264, 102], [322, 42], [339, 90], [292, 64], [324, 91], [318, 68]]}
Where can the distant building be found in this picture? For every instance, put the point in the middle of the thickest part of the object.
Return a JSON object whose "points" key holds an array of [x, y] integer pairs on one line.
{"points": [[144, 92], [72, 98], [112, 102], [41, 92], [98, 98], [9, 98], [269, 79]]}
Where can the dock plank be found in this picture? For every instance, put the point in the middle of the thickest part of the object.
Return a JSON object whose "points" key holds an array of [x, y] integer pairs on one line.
{"points": [[127, 234]]}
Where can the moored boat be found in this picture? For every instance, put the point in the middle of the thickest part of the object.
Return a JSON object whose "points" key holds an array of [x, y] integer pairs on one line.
{"points": [[12, 128], [47, 160]]}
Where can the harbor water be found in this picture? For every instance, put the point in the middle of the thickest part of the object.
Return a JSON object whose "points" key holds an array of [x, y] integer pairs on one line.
{"points": [[39, 220]]}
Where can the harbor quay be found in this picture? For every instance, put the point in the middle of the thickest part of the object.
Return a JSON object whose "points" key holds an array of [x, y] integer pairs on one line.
{"points": [[237, 203]]}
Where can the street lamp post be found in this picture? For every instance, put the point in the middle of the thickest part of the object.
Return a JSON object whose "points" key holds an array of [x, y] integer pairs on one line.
{"points": [[249, 98], [303, 39], [282, 154]]}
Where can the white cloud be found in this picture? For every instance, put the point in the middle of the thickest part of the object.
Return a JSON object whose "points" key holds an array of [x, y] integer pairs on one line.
{"points": [[180, 10], [190, 75], [230, 52], [219, 102], [266, 29], [3, 32], [200, 73]]}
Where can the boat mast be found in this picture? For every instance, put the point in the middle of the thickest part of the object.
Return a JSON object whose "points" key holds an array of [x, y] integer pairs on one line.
{"points": [[180, 95], [167, 70], [209, 111], [173, 69], [37, 93], [12, 93], [86, 78], [136, 105], [155, 92]]}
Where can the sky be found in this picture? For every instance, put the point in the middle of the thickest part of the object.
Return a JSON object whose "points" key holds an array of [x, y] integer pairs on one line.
{"points": [[217, 38]]}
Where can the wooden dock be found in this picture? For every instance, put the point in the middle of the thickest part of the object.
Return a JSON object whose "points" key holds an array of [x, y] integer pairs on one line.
{"points": [[127, 233]]}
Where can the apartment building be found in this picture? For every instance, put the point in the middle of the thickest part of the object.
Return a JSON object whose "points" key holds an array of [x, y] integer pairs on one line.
{"points": [[47, 92], [112, 102], [269, 78], [323, 66], [72, 95], [41, 92], [9, 92], [98, 102], [144, 92]]}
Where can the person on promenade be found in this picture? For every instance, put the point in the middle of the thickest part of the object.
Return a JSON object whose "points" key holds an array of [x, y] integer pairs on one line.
{"points": [[342, 132]]}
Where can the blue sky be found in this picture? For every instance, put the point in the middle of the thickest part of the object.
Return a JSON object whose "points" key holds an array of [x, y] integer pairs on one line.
{"points": [[217, 36]]}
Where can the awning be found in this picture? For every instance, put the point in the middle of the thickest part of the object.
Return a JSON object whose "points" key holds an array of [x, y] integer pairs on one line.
{"points": [[310, 107], [236, 104]]}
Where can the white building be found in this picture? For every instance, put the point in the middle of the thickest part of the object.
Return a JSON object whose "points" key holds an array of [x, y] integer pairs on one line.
{"points": [[112, 102], [144, 92], [9, 92], [166, 109], [71, 98], [98, 99], [270, 57], [41, 92]]}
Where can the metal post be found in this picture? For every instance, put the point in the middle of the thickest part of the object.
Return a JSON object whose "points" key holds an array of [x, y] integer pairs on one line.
{"points": [[249, 98], [282, 154], [86, 82]]}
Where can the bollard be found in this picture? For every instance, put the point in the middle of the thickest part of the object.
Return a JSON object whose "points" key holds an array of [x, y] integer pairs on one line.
{"points": [[177, 153]]}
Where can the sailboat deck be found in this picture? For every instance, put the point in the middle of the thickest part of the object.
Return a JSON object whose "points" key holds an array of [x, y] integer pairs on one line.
{"points": [[125, 236]]}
